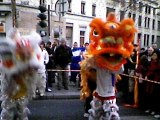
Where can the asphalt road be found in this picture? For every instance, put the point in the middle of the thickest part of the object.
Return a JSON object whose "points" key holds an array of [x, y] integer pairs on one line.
{"points": [[72, 109], [56, 110]]}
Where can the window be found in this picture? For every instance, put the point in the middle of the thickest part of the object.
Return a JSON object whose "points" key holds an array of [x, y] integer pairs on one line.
{"points": [[93, 10], [69, 32], [69, 5], [82, 38], [146, 8], [149, 9], [134, 17], [122, 13], [42, 2], [144, 40], [145, 22], [139, 35], [139, 21], [158, 25], [134, 2], [152, 39], [109, 10], [129, 15], [153, 25], [148, 25], [147, 40], [140, 6], [82, 7], [139, 39], [154, 11], [158, 39]]}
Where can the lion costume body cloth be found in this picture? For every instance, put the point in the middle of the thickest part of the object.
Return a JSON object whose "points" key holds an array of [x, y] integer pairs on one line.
{"points": [[20, 57], [111, 44]]}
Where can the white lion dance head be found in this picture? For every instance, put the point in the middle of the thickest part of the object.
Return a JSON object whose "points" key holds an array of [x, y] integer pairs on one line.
{"points": [[20, 56]]}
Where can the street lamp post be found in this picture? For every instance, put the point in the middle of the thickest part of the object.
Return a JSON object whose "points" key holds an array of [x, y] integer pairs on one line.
{"points": [[48, 20], [59, 14]]}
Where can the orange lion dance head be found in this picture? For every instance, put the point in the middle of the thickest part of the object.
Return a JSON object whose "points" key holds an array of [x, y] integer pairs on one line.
{"points": [[111, 41]]}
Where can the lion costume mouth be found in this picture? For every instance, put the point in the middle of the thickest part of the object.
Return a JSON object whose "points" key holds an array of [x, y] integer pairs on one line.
{"points": [[112, 57], [109, 60]]}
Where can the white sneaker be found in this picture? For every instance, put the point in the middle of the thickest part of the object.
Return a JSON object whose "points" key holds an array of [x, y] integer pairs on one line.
{"points": [[157, 116], [147, 111], [86, 115], [152, 113], [72, 83], [49, 90], [41, 94]]}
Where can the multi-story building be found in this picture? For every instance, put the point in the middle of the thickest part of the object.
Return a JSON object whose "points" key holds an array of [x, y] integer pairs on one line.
{"points": [[23, 15], [74, 24], [144, 13], [19, 15]]}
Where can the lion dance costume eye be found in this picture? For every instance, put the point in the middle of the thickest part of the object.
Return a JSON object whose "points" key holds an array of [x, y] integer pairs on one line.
{"points": [[110, 45]]}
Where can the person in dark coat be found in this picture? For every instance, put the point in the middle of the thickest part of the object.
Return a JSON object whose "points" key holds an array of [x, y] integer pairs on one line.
{"points": [[50, 64], [141, 72], [152, 89], [63, 56]]}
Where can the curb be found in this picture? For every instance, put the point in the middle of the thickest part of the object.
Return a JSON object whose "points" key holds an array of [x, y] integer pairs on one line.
{"points": [[56, 97], [72, 93]]}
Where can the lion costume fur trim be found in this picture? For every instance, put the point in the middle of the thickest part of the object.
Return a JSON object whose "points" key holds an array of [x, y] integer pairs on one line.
{"points": [[86, 74]]}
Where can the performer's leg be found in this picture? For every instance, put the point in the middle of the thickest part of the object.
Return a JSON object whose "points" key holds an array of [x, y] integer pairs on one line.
{"points": [[32, 85], [73, 73], [7, 112], [107, 111], [65, 78], [110, 109], [73, 77], [41, 83], [59, 82], [22, 109], [49, 78], [96, 110]]}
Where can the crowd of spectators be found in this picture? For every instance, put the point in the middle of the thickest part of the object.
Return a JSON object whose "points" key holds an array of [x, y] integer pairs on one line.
{"points": [[59, 56], [141, 88]]}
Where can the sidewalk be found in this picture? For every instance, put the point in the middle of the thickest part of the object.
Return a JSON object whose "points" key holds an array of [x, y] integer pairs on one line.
{"points": [[72, 93]]}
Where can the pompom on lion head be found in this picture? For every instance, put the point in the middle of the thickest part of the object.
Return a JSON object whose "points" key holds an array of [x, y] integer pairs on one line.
{"points": [[111, 41]]}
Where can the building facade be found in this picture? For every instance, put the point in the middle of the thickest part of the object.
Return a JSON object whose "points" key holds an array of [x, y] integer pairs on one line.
{"points": [[74, 24], [144, 13], [25, 18]]}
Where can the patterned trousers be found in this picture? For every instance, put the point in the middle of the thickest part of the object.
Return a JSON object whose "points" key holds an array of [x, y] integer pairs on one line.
{"points": [[14, 109], [103, 110]]}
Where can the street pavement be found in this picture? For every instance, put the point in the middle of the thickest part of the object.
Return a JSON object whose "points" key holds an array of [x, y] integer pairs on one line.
{"points": [[73, 94], [66, 105], [73, 109]]}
